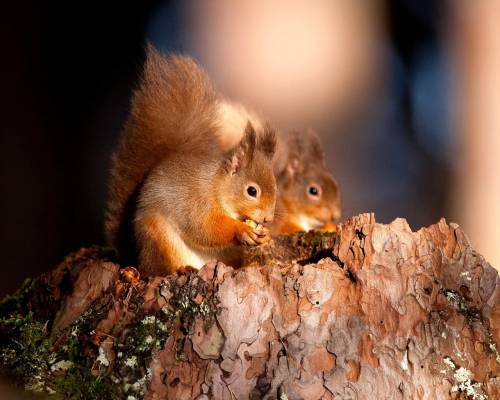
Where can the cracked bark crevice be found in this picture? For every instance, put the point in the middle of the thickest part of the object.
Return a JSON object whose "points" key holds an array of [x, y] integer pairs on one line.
{"points": [[372, 311]]}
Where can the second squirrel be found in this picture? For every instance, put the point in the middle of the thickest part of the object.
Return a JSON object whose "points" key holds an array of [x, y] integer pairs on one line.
{"points": [[308, 195]]}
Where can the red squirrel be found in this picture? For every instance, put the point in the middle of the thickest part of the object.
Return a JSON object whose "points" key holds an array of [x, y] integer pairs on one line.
{"points": [[184, 196], [308, 196]]}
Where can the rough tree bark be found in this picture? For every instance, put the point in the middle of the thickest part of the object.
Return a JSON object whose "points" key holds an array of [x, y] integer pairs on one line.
{"points": [[370, 312]]}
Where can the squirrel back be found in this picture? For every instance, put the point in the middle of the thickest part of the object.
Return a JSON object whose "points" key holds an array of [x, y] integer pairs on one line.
{"points": [[173, 109]]}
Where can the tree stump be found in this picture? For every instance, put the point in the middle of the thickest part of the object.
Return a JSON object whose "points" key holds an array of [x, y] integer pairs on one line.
{"points": [[372, 311]]}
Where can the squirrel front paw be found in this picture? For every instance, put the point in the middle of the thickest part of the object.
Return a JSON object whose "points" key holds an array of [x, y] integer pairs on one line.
{"points": [[253, 234]]}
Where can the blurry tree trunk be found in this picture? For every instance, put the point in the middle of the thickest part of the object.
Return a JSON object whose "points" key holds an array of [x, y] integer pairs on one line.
{"points": [[371, 312]]}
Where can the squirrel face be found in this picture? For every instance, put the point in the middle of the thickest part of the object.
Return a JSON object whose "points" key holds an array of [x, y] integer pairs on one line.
{"points": [[312, 197], [309, 196], [247, 178]]}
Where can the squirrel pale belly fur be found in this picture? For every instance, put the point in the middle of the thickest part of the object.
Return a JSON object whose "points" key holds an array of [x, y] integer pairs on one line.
{"points": [[308, 196], [183, 196]]}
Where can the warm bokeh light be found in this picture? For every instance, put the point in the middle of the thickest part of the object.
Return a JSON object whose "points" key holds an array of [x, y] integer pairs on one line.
{"points": [[476, 199], [296, 61]]}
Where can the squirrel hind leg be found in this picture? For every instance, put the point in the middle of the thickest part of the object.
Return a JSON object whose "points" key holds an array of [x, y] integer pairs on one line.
{"points": [[162, 250]]}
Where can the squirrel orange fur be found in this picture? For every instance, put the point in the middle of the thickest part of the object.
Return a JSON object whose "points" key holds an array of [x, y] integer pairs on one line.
{"points": [[308, 195], [299, 166], [185, 197]]}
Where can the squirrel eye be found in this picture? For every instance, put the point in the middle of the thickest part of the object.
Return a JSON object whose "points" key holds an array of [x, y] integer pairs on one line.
{"points": [[313, 190], [252, 191]]}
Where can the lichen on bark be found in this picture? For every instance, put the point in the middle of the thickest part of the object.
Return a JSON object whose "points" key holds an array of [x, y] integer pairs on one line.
{"points": [[371, 311]]}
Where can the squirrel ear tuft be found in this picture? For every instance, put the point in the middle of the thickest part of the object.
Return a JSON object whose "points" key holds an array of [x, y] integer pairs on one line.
{"points": [[267, 141], [248, 142], [314, 149], [242, 154]]}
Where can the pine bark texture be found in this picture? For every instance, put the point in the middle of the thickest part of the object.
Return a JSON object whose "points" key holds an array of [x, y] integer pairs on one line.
{"points": [[372, 311]]}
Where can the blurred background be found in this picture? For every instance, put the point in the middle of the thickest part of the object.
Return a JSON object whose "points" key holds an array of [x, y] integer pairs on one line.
{"points": [[403, 93]]}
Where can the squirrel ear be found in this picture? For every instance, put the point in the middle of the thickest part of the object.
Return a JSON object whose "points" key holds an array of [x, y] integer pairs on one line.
{"points": [[233, 162], [267, 141], [242, 154], [247, 144], [294, 165], [314, 148]]}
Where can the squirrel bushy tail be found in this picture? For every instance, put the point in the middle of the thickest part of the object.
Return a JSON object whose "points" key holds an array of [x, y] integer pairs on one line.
{"points": [[173, 109]]}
